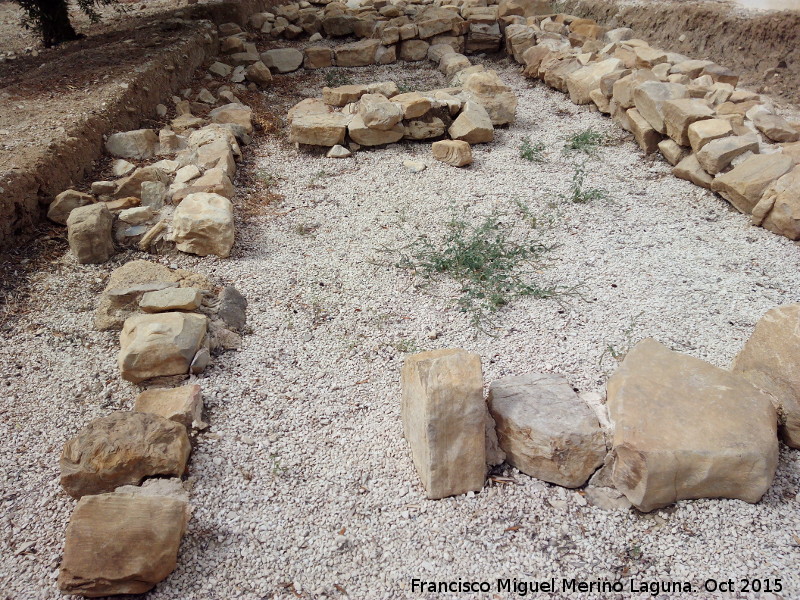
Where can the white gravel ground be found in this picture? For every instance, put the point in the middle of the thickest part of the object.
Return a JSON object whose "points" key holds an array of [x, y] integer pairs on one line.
{"points": [[303, 485]]}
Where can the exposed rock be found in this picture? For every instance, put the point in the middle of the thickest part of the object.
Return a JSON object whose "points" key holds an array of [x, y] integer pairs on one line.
{"points": [[346, 94], [680, 114], [717, 154], [776, 128], [385, 55], [282, 60], [122, 448], [139, 144], [646, 136], [649, 98], [220, 69], [707, 130], [779, 207], [414, 104], [213, 181], [378, 112], [451, 63], [234, 114], [121, 544], [580, 83], [203, 225], [153, 194], [769, 361], [183, 404], [321, 129], [444, 419], [545, 430], [689, 169], [623, 88], [89, 233], [473, 125], [686, 429], [357, 54], [171, 298], [259, 74], [744, 185], [160, 344], [339, 151], [132, 185], [671, 151], [318, 57], [495, 96], [455, 153], [414, 50], [361, 134], [66, 202], [136, 215]]}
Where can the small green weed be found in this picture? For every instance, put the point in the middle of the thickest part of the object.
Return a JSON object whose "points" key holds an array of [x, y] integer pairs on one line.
{"points": [[306, 228], [405, 346], [336, 77], [580, 194], [531, 152], [487, 264], [267, 179], [587, 141]]}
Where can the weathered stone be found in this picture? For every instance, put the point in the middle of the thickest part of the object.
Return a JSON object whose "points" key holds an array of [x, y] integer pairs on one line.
{"points": [[690, 68], [338, 25], [307, 106], [452, 63], [414, 104], [338, 151], [717, 154], [89, 233], [580, 83], [444, 415], [744, 185], [473, 125], [203, 225], [424, 129], [220, 69], [496, 97], [232, 308], [671, 151], [555, 69], [356, 54], [455, 153], [122, 448], [690, 169], [136, 215], [186, 173], [160, 344], [413, 50], [347, 94], [121, 544], [779, 207], [386, 55], [483, 37], [720, 74], [183, 404], [66, 202], [259, 74], [282, 60], [680, 114], [234, 114], [132, 185], [172, 298], [213, 181], [768, 360], [139, 144], [647, 58], [366, 136], [545, 430], [685, 429], [647, 137], [623, 88], [318, 57], [378, 112], [649, 98], [326, 129], [702, 132], [775, 128]]}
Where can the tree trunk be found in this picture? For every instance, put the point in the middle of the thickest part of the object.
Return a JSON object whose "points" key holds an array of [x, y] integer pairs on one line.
{"points": [[56, 27]]}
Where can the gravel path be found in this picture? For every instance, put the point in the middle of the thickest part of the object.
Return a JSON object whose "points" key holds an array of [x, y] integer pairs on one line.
{"points": [[303, 486]]}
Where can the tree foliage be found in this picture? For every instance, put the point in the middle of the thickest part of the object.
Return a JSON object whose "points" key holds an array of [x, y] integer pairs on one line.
{"points": [[50, 18]]}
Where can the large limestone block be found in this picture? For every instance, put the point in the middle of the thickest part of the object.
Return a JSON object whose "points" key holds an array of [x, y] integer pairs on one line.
{"points": [[647, 137], [473, 125], [545, 429], [413, 50], [121, 544], [452, 62], [156, 345], [171, 298], [366, 136], [779, 207], [649, 98], [554, 71], [320, 129], [318, 57], [499, 100], [775, 128], [580, 83], [414, 104], [139, 144], [203, 225], [65, 203], [89, 233], [234, 113], [182, 404], [769, 360], [378, 112], [282, 60], [122, 449], [686, 429], [707, 130], [680, 114], [689, 169], [424, 129], [444, 418], [456, 153], [623, 88], [357, 54], [717, 154], [744, 185]]}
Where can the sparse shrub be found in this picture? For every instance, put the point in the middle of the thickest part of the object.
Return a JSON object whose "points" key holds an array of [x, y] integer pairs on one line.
{"points": [[532, 152], [580, 194], [587, 141]]}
